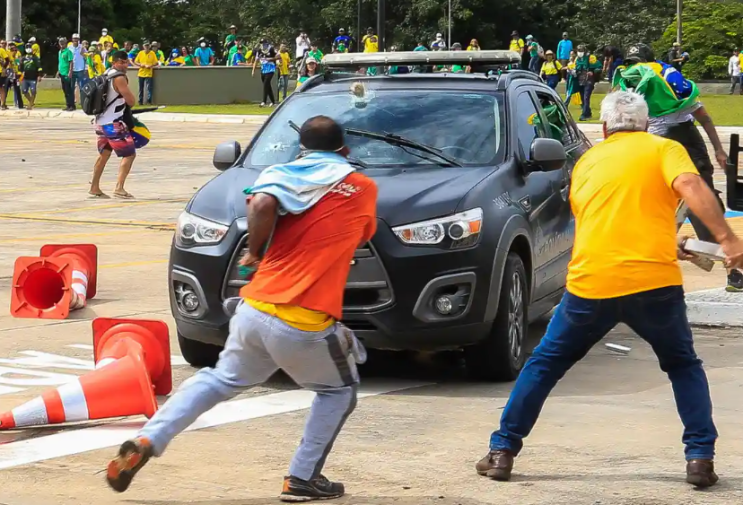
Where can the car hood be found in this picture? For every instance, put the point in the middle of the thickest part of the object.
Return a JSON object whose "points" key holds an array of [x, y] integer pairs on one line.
{"points": [[405, 195]]}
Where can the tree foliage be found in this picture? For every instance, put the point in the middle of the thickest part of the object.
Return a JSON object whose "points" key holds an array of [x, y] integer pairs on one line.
{"points": [[711, 30], [710, 26]]}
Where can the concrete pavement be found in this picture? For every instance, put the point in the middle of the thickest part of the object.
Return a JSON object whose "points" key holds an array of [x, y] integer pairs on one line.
{"points": [[609, 434]]}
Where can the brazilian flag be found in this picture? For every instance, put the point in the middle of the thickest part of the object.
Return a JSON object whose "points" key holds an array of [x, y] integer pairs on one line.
{"points": [[140, 133], [650, 80]]}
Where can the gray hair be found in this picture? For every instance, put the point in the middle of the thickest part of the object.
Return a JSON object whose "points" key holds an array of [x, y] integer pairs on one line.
{"points": [[624, 111]]}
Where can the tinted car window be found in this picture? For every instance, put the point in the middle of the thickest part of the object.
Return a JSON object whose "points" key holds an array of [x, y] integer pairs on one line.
{"points": [[527, 122], [468, 127], [559, 126]]}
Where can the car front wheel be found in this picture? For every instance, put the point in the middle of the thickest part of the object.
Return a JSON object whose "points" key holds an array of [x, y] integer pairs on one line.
{"points": [[198, 354], [501, 355]]}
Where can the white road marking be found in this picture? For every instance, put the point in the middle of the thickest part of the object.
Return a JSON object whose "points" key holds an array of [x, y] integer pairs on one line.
{"points": [[39, 378], [45, 360], [89, 439], [6, 390]]}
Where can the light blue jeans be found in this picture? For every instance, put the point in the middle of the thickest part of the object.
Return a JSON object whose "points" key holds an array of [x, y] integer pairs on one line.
{"points": [[257, 346]]}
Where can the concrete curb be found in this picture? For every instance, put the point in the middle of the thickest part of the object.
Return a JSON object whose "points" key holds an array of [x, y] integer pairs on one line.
{"points": [[715, 307], [146, 117]]}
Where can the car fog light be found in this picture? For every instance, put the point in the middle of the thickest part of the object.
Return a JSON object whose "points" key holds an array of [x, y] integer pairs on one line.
{"points": [[444, 305], [190, 301]]}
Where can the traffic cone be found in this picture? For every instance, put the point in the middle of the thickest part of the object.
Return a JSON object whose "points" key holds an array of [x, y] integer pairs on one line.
{"points": [[114, 339], [62, 278], [119, 389]]}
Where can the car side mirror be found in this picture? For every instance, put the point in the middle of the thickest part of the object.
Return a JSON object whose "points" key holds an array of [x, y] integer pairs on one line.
{"points": [[547, 155], [226, 154]]}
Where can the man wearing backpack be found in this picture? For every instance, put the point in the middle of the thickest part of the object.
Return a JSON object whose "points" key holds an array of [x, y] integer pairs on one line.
{"points": [[113, 127]]}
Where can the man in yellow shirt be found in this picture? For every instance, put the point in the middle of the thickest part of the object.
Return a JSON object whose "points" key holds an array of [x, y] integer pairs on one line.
{"points": [[105, 37], [4, 70], [35, 47], [624, 194], [146, 60], [94, 60], [370, 41], [551, 70], [517, 44], [283, 62]]}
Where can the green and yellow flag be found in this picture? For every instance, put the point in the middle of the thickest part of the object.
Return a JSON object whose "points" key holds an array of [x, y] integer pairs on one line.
{"points": [[647, 79]]}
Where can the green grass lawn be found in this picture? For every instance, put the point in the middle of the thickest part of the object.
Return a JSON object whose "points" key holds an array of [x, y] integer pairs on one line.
{"points": [[726, 110]]}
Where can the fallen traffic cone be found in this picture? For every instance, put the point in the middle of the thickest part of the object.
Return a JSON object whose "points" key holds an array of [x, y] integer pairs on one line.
{"points": [[114, 339], [62, 278], [119, 389]]}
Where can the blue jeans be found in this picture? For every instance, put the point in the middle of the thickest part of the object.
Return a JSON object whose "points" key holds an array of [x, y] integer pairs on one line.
{"points": [[552, 81], [534, 64], [145, 82], [79, 78], [613, 67], [658, 317], [586, 92], [283, 86]]}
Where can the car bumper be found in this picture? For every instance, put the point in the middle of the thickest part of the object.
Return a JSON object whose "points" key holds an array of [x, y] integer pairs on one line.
{"points": [[400, 316]]}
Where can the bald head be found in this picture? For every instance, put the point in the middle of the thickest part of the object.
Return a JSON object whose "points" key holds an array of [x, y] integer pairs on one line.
{"points": [[320, 133]]}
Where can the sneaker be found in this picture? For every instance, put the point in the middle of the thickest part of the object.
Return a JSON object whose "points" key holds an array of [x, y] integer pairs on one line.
{"points": [[298, 490], [263, 104], [133, 455], [735, 281], [701, 473]]}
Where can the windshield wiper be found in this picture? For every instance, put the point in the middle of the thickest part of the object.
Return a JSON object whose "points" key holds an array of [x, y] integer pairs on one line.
{"points": [[399, 141], [351, 160]]}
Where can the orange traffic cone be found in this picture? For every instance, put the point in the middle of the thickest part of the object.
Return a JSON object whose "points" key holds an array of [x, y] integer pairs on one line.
{"points": [[119, 389], [116, 338], [60, 279]]}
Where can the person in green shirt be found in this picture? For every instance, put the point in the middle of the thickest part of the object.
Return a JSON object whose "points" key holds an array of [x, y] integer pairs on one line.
{"points": [[310, 69], [158, 52], [230, 42], [315, 53], [64, 71], [238, 46], [188, 58], [31, 69], [587, 73]]}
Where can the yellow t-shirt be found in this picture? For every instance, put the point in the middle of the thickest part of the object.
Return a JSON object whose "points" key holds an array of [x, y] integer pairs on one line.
{"points": [[625, 226], [283, 63], [295, 316], [36, 50], [551, 67], [517, 45], [97, 68], [4, 57], [146, 59], [371, 43], [105, 38]]}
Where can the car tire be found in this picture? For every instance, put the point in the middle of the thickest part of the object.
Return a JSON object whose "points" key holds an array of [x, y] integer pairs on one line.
{"points": [[198, 354], [502, 354]]}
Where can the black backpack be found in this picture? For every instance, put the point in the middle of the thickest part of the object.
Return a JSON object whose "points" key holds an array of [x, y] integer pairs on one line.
{"points": [[93, 95]]}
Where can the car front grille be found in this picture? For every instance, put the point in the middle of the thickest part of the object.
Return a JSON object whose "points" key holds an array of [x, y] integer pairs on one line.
{"points": [[367, 288]]}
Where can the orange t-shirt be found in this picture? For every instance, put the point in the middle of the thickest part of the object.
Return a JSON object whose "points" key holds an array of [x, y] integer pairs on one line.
{"points": [[309, 258]]}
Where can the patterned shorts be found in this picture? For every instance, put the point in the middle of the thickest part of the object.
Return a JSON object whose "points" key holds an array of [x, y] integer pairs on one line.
{"points": [[115, 137]]}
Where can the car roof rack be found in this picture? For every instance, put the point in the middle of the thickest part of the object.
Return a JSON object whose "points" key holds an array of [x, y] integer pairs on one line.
{"points": [[508, 76], [355, 60]]}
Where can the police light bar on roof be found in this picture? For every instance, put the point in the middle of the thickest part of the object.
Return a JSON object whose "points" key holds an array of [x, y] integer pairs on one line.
{"points": [[340, 60]]}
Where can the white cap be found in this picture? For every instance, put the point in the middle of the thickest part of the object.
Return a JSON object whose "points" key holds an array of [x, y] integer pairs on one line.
{"points": [[105, 30], [32, 39], [438, 35], [75, 36]]}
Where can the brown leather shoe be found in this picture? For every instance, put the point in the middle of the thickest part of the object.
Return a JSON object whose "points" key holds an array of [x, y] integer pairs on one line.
{"points": [[497, 465], [701, 472]]}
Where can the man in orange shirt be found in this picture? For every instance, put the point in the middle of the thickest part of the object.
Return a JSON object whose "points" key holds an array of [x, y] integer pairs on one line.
{"points": [[624, 193], [289, 318]]}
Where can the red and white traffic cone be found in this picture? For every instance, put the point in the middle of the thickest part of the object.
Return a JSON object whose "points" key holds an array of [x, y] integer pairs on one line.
{"points": [[62, 278]]}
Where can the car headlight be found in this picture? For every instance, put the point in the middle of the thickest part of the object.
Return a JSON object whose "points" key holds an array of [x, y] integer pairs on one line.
{"points": [[460, 230], [193, 230]]}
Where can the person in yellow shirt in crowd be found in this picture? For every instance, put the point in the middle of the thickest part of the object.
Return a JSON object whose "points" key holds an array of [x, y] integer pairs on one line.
{"points": [[624, 193], [517, 45], [95, 62], [105, 37], [4, 69], [551, 70], [283, 64], [14, 75], [145, 61], [370, 41], [474, 45]]}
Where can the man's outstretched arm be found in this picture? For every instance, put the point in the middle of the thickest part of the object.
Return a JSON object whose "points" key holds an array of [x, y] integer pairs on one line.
{"points": [[705, 120], [262, 214]]}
